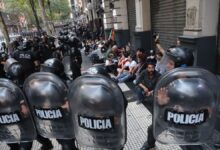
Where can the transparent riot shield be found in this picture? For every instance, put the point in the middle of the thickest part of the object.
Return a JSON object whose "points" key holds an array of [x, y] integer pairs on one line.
{"points": [[16, 124], [98, 69], [46, 94], [99, 115], [185, 102]]}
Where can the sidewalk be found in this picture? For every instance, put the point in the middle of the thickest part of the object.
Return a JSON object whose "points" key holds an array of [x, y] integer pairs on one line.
{"points": [[138, 120]]}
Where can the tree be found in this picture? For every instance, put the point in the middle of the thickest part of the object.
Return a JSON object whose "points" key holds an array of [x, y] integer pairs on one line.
{"points": [[44, 16], [37, 11], [4, 29], [35, 15], [60, 9], [20, 7]]}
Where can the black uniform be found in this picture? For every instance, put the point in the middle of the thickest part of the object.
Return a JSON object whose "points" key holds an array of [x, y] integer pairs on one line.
{"points": [[3, 57], [76, 63], [55, 66], [181, 57], [45, 52], [26, 58], [16, 74]]}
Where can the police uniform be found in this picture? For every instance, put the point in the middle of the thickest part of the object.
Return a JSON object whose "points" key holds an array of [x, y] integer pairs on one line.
{"points": [[76, 64], [181, 57], [3, 57], [15, 73], [26, 58], [50, 81], [45, 52]]}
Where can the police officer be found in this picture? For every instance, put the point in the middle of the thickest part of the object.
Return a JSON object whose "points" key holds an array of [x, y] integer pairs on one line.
{"points": [[56, 67], [76, 63], [3, 58], [70, 47], [26, 57], [37, 52], [16, 74], [177, 57], [25, 127], [46, 51]]}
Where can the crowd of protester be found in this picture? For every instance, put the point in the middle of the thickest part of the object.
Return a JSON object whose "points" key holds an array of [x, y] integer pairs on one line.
{"points": [[138, 66]]}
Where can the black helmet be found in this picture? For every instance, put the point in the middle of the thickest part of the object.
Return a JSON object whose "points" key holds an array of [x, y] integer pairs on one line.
{"points": [[53, 65], [27, 45], [16, 72], [181, 56], [3, 56], [98, 69]]}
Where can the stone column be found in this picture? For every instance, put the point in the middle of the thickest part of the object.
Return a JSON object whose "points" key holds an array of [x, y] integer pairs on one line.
{"points": [[200, 31], [107, 18], [143, 25], [120, 21]]}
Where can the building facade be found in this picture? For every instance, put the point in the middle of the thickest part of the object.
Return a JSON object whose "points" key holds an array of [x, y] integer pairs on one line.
{"points": [[194, 22]]}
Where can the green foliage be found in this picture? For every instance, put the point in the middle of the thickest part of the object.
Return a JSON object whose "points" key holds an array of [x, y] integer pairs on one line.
{"points": [[59, 9], [20, 7]]}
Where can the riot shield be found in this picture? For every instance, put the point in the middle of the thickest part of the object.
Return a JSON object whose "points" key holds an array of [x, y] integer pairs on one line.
{"points": [[16, 124], [99, 115], [46, 94], [185, 104], [98, 69]]}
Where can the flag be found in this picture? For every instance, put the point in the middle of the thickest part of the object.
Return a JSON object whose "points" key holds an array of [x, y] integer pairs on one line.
{"points": [[112, 35]]}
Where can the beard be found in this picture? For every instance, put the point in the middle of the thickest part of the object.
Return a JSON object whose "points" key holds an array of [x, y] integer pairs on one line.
{"points": [[150, 73]]}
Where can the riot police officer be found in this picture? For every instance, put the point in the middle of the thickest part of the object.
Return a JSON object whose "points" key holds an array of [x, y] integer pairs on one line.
{"points": [[16, 73], [16, 122], [76, 62], [46, 51], [177, 57], [3, 58], [99, 118], [26, 57], [56, 67]]}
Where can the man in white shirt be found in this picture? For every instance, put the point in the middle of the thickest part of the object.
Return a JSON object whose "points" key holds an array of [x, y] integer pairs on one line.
{"points": [[124, 75]]}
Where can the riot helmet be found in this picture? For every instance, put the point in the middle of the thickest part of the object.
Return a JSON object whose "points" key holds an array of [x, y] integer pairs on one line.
{"points": [[16, 73], [181, 56], [27, 45], [8, 63], [74, 41], [3, 56], [53, 65], [51, 40], [98, 69]]}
